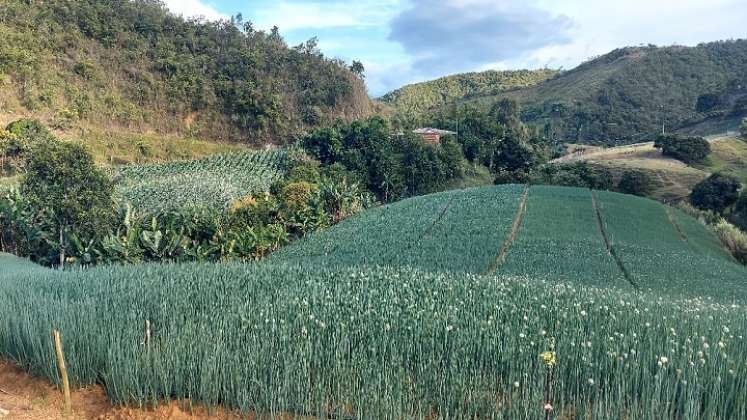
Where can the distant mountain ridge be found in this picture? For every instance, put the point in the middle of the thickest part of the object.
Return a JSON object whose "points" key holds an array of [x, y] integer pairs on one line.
{"points": [[415, 101], [131, 64], [627, 95]]}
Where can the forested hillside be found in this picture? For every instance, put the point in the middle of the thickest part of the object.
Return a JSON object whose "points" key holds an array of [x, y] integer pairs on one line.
{"points": [[626, 95], [133, 65], [413, 103], [622, 97]]}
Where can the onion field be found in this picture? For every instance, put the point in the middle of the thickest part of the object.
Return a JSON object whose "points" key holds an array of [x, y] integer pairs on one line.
{"points": [[459, 305], [560, 239], [384, 343], [213, 181], [659, 258]]}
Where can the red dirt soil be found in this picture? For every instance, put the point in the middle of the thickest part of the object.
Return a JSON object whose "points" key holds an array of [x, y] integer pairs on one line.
{"points": [[28, 398]]}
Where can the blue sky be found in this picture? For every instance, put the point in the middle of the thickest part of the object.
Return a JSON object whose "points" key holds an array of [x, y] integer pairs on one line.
{"points": [[406, 41]]}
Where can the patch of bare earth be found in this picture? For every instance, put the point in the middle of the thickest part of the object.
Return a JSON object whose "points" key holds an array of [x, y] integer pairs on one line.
{"points": [[27, 398]]}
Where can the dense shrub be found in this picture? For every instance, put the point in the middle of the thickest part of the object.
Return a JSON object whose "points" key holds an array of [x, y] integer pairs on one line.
{"points": [[715, 193], [578, 174], [739, 214], [686, 149], [145, 65], [743, 129], [636, 183], [390, 165], [734, 239]]}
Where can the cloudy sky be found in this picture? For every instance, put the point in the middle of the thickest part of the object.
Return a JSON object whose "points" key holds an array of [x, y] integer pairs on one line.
{"points": [[405, 41]]}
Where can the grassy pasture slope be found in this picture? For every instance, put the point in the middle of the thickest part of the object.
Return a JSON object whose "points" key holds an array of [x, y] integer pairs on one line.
{"points": [[673, 179]]}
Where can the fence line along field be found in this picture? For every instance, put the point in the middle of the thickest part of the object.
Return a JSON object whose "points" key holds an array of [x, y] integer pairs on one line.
{"points": [[379, 317], [213, 181]]}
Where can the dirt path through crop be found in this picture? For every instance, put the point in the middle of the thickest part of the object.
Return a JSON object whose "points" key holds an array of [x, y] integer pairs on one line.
{"points": [[675, 225], [608, 244], [515, 226]]}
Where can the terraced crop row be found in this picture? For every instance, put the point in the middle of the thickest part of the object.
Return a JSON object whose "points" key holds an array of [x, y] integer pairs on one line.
{"points": [[373, 237], [378, 343], [658, 258], [213, 181], [560, 239], [452, 231]]}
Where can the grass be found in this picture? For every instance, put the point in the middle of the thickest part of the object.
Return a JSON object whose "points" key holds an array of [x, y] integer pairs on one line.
{"points": [[673, 180], [113, 148], [729, 156]]}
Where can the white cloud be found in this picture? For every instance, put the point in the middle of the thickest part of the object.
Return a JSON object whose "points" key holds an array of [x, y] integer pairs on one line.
{"points": [[600, 28], [294, 15], [194, 8]]}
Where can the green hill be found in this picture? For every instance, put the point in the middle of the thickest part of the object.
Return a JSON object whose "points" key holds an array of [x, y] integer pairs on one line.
{"points": [[599, 239], [340, 326], [619, 98], [414, 102], [624, 96], [133, 66]]}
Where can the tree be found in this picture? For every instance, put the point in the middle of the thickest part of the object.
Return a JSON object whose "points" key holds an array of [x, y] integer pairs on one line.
{"points": [[358, 69], [686, 149], [636, 183], [63, 184], [715, 193], [743, 129]]}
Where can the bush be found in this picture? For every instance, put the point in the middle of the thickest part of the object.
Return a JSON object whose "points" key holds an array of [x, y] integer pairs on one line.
{"points": [[579, 174], [636, 183], [686, 149], [715, 193], [739, 215], [743, 129], [734, 239]]}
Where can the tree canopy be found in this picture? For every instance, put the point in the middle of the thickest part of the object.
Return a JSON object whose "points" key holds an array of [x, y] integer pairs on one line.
{"points": [[716, 193], [131, 62], [64, 187], [686, 149]]}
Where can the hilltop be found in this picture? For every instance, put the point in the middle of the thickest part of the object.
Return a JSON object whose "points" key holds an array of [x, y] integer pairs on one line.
{"points": [[624, 97], [415, 102], [132, 66]]}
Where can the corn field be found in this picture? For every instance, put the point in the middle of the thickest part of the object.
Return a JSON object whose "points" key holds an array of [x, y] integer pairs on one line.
{"points": [[213, 181]]}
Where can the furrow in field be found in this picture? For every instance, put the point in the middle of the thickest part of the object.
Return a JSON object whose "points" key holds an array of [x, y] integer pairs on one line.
{"points": [[560, 241], [464, 238], [515, 226], [610, 249], [658, 259], [369, 237]]}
